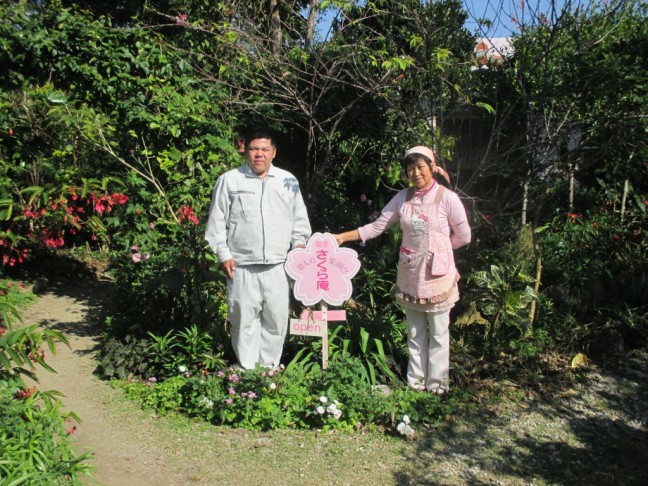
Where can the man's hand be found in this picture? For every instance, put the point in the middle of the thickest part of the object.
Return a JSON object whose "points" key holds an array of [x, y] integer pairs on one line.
{"points": [[229, 266]]}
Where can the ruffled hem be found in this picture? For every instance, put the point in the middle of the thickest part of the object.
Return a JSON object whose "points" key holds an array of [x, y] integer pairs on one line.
{"points": [[434, 308], [435, 299]]}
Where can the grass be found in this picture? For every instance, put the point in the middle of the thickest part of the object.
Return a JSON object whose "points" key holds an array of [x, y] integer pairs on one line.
{"points": [[221, 455]]}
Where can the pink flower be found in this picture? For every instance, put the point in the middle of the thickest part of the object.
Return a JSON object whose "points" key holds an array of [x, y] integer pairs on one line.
{"points": [[243, 395], [220, 374], [134, 248], [136, 257], [234, 378], [231, 391], [251, 395], [228, 401]]}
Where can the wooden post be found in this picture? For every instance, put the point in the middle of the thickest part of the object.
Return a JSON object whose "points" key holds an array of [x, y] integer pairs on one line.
{"points": [[325, 337]]}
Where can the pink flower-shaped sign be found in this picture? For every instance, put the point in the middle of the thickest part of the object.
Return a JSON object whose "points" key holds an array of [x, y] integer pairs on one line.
{"points": [[322, 270]]}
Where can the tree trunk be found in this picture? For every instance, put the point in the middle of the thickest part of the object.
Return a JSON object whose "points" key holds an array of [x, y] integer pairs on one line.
{"points": [[275, 27], [525, 202], [572, 181], [312, 19], [624, 198], [536, 287]]}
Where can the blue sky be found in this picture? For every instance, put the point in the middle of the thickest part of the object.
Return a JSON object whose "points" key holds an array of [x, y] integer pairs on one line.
{"points": [[505, 13], [500, 12]]}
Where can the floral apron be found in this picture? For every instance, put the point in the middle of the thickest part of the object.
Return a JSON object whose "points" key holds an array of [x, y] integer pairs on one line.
{"points": [[426, 269]]}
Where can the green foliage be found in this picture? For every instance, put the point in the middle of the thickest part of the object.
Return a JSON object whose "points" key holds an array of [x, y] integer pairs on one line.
{"points": [[34, 432], [23, 346], [301, 396], [35, 446], [503, 298], [595, 248], [123, 359], [189, 351]]}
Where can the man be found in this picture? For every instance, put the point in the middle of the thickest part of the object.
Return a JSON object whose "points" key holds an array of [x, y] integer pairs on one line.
{"points": [[257, 215]]}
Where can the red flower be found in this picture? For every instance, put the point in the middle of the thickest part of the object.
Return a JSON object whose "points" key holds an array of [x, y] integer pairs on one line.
{"points": [[187, 214], [26, 393], [118, 198]]}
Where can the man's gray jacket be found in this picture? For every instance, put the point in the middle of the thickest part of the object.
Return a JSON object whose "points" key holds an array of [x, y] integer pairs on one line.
{"points": [[254, 220]]}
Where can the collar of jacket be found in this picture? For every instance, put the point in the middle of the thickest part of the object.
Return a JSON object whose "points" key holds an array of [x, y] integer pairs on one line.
{"points": [[272, 171]]}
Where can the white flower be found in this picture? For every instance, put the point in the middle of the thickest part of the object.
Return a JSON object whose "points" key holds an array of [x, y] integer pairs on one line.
{"points": [[406, 419], [182, 369], [320, 410], [331, 408], [405, 429], [273, 386], [337, 414], [323, 399], [206, 402]]}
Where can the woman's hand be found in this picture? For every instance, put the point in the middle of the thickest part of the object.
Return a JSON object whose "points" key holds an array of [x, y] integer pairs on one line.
{"points": [[342, 238]]}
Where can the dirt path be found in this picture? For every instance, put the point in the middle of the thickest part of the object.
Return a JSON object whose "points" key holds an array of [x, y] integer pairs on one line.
{"points": [[120, 456], [592, 433]]}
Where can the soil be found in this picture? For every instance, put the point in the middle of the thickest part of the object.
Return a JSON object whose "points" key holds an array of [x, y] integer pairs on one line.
{"points": [[593, 432]]}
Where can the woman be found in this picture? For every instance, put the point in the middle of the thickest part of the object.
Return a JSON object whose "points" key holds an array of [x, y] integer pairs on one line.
{"points": [[434, 223]]}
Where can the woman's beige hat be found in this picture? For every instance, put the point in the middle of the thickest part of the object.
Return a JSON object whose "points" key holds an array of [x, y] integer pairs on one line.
{"points": [[423, 150]]}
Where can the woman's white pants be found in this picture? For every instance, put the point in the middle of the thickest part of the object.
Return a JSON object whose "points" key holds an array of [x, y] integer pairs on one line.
{"points": [[428, 340]]}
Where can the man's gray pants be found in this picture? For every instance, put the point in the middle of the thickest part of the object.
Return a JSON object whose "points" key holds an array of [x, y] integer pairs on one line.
{"points": [[257, 300]]}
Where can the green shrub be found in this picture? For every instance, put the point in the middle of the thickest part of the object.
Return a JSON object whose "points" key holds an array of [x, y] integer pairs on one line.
{"points": [[34, 432], [178, 351], [124, 359]]}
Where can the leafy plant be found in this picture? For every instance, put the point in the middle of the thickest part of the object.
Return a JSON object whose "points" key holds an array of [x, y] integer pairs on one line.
{"points": [[34, 443], [35, 446], [503, 295], [130, 357], [21, 347]]}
